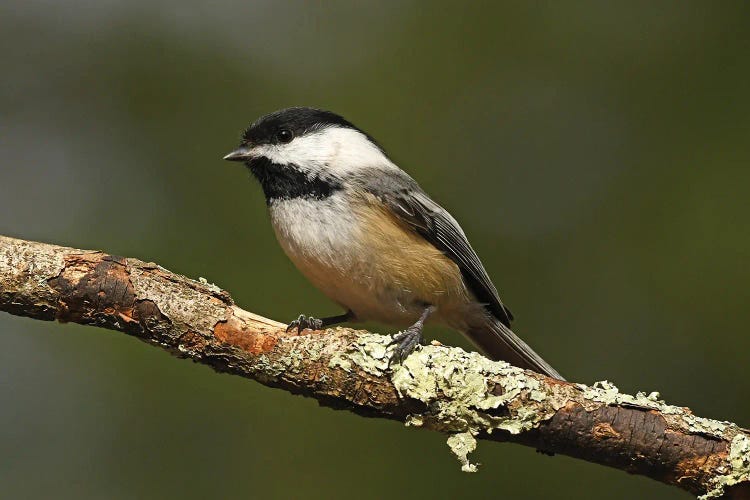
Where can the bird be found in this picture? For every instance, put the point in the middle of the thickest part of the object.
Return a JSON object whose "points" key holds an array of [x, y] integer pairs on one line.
{"points": [[364, 232]]}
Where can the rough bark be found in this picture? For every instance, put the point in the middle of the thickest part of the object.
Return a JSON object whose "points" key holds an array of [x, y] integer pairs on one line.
{"points": [[446, 389]]}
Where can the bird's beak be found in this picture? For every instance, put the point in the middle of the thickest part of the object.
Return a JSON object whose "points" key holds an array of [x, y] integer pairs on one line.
{"points": [[239, 154]]}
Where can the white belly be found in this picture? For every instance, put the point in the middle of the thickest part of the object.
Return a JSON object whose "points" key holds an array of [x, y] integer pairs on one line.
{"points": [[361, 264], [324, 240]]}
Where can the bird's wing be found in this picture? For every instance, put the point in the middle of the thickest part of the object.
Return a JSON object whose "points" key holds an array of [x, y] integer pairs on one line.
{"points": [[403, 196], [406, 200]]}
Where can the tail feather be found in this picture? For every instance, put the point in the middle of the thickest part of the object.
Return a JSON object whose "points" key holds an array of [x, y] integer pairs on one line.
{"points": [[499, 342]]}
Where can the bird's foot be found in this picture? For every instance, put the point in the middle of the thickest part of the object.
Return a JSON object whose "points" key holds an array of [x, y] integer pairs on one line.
{"points": [[406, 343], [303, 322]]}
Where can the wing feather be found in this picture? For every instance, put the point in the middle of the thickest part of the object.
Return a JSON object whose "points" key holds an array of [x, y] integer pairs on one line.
{"points": [[410, 203], [403, 196]]}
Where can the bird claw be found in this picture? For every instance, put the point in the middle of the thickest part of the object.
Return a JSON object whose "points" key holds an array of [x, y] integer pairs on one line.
{"points": [[303, 322], [406, 342]]}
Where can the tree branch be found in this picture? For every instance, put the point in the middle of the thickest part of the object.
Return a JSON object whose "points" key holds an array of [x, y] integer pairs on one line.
{"points": [[446, 389]]}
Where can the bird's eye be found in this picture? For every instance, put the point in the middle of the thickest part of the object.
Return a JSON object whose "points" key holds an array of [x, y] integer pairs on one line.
{"points": [[284, 135]]}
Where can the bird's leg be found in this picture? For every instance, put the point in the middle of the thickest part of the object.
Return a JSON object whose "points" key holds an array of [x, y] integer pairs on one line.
{"points": [[407, 340], [303, 322]]}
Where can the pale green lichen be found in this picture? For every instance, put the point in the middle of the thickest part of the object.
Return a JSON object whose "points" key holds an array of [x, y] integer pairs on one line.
{"points": [[267, 369], [538, 396], [414, 420], [368, 353], [313, 351], [461, 445], [466, 394], [211, 286], [739, 467], [340, 361], [305, 348], [739, 453], [607, 393], [453, 385]]}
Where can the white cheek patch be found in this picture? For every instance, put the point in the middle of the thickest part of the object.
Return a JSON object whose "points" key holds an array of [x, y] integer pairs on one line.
{"points": [[336, 150]]}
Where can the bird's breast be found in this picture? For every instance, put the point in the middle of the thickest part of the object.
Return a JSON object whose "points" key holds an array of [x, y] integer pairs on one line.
{"points": [[317, 234], [355, 251]]}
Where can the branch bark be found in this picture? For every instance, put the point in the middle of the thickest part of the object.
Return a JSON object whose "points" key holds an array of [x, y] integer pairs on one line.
{"points": [[445, 389]]}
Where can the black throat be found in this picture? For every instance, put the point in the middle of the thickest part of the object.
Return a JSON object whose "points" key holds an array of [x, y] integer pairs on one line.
{"points": [[286, 182]]}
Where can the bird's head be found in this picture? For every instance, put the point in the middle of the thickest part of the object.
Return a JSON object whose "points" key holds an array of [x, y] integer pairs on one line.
{"points": [[306, 143]]}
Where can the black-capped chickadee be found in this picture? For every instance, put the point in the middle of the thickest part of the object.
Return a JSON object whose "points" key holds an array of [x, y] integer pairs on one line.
{"points": [[363, 232]]}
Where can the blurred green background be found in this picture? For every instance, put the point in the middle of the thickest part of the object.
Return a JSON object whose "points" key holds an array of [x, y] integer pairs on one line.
{"points": [[596, 154]]}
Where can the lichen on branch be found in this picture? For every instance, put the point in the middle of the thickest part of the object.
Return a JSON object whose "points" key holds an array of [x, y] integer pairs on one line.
{"points": [[464, 395]]}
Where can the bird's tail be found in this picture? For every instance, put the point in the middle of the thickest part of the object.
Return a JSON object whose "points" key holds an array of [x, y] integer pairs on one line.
{"points": [[499, 342]]}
